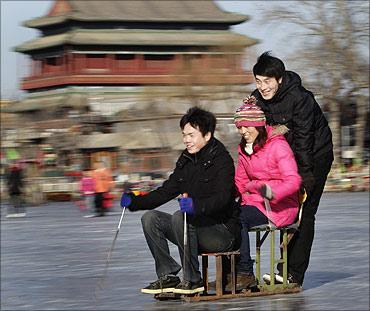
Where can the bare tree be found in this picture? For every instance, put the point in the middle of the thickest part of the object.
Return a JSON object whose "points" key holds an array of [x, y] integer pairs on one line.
{"points": [[332, 40]]}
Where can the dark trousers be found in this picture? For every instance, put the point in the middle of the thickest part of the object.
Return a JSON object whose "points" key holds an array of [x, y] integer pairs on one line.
{"points": [[299, 248], [250, 216], [16, 205], [160, 227], [99, 208]]}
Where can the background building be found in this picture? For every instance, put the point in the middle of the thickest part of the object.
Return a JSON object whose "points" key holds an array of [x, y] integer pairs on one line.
{"points": [[110, 79]]}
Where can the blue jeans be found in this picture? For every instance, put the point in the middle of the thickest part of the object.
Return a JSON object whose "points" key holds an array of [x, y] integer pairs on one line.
{"points": [[160, 227], [250, 216]]}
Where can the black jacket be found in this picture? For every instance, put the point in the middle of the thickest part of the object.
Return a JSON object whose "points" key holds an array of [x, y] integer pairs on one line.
{"points": [[208, 178], [309, 134]]}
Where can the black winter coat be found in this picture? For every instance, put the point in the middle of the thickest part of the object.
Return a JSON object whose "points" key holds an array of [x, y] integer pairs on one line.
{"points": [[208, 178], [309, 134]]}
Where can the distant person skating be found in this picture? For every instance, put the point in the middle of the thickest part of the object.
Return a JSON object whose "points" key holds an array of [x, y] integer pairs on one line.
{"points": [[103, 184], [87, 190], [15, 183]]}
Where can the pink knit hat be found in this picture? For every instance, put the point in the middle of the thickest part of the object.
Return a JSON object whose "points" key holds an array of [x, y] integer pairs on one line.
{"points": [[249, 114]]}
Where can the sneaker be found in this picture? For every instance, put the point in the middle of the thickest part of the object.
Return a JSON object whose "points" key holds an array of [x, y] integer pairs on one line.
{"points": [[165, 284], [290, 279], [186, 287], [243, 281], [267, 278], [279, 279]]}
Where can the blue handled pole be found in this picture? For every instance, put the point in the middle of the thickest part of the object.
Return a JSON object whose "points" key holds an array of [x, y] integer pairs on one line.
{"points": [[110, 252], [185, 243]]}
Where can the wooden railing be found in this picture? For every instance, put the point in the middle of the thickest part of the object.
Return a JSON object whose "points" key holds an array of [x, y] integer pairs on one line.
{"points": [[87, 77]]}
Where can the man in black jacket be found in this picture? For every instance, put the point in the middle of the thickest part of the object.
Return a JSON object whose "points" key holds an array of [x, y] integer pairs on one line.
{"points": [[204, 178], [285, 101]]}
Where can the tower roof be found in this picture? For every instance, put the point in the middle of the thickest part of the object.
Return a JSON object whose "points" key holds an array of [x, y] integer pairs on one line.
{"points": [[161, 11]]}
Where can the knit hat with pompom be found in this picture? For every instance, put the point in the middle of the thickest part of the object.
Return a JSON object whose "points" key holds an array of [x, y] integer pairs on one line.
{"points": [[249, 114]]}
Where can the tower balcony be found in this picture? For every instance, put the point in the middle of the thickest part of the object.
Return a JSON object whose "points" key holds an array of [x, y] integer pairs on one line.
{"points": [[100, 69], [139, 78]]}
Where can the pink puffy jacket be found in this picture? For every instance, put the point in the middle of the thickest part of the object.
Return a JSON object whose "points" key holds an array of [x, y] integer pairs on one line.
{"points": [[274, 165]]}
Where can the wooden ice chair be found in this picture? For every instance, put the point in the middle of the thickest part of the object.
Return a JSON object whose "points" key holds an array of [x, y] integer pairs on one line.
{"points": [[286, 232]]}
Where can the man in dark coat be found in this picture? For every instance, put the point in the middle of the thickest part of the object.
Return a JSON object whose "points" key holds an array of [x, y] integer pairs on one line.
{"points": [[285, 101], [204, 178], [14, 180]]}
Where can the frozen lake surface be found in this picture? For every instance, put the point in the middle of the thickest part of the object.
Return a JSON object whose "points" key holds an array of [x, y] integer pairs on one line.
{"points": [[54, 258]]}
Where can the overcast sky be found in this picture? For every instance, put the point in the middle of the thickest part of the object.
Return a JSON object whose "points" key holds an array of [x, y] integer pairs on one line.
{"points": [[14, 12]]}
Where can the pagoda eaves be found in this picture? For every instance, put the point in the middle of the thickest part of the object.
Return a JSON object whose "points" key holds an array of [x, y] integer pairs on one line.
{"points": [[139, 37], [157, 11]]}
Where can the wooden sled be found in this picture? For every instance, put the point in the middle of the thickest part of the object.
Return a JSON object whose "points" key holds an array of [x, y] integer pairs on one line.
{"points": [[261, 288]]}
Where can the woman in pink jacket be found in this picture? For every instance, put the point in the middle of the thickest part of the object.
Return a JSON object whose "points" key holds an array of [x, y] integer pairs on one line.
{"points": [[265, 164]]}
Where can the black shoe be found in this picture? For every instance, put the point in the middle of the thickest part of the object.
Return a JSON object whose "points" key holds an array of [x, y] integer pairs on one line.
{"points": [[186, 287], [165, 284]]}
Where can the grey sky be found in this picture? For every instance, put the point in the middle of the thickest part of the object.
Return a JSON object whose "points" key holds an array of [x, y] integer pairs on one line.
{"points": [[13, 13]]}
